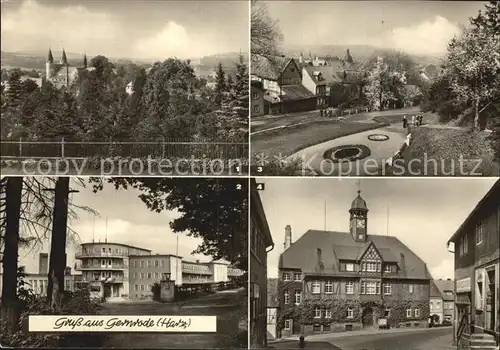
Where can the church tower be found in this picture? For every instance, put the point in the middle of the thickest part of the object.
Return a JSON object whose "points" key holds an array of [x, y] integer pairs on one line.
{"points": [[85, 61], [64, 59], [348, 57], [358, 219], [49, 65]]}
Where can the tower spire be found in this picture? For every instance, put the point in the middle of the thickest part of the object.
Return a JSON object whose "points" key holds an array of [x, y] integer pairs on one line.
{"points": [[85, 61], [50, 57], [64, 59]]}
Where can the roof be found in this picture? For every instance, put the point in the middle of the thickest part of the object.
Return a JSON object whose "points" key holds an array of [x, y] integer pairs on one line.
{"points": [[336, 72], [269, 68], [256, 84], [272, 292], [359, 202], [435, 292], [341, 246], [121, 244], [295, 92], [494, 192], [446, 286], [258, 214]]}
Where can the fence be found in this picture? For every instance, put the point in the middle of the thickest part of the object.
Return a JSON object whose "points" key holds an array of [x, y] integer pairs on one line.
{"points": [[158, 150]]}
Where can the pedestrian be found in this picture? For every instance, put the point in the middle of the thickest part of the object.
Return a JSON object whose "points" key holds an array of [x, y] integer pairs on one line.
{"points": [[405, 122], [421, 119], [412, 120]]}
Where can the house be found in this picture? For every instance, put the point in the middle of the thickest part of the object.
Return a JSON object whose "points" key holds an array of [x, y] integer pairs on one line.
{"points": [[261, 242], [476, 251], [257, 95], [272, 308], [129, 88], [323, 82], [441, 304], [281, 79], [341, 281]]}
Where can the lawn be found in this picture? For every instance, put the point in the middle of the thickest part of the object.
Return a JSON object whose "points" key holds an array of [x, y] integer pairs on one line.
{"points": [[293, 139], [447, 152]]}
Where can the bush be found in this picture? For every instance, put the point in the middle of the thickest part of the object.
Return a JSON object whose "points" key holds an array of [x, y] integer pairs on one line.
{"points": [[78, 303]]}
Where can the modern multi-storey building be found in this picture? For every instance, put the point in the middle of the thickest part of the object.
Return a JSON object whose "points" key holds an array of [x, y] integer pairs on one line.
{"points": [[115, 270], [476, 250], [337, 281], [261, 243]]}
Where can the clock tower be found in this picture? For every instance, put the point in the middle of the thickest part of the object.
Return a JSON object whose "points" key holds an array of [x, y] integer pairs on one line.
{"points": [[358, 219]]}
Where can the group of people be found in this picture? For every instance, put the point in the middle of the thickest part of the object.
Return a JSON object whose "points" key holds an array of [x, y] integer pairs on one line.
{"points": [[416, 120]]}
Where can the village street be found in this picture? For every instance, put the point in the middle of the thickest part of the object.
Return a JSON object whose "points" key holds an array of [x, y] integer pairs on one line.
{"points": [[421, 339], [229, 307]]}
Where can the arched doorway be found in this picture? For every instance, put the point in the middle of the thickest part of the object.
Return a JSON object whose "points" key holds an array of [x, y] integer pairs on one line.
{"points": [[367, 317]]}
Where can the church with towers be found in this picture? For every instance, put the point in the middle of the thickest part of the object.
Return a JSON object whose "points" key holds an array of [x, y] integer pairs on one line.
{"points": [[332, 281], [63, 74]]}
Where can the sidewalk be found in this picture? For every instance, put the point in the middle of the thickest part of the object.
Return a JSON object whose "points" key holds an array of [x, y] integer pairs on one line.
{"points": [[358, 333]]}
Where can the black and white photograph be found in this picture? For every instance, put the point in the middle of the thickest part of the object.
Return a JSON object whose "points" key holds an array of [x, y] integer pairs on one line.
{"points": [[375, 263], [375, 88], [174, 249], [124, 87]]}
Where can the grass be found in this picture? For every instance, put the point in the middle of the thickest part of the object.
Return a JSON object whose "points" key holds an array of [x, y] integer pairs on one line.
{"points": [[293, 139], [447, 152]]}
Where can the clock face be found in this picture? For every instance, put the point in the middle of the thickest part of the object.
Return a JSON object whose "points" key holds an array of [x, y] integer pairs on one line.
{"points": [[361, 223]]}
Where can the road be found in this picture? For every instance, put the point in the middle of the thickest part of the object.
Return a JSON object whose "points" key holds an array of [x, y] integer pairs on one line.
{"points": [[424, 339], [228, 306]]}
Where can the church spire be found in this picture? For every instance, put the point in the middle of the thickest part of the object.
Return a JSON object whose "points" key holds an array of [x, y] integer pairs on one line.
{"points": [[64, 59], [348, 57], [50, 57], [85, 61]]}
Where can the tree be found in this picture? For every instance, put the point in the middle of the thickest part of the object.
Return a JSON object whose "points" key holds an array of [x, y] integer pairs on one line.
{"points": [[12, 188], [215, 210], [473, 64], [488, 21], [265, 35], [384, 86], [220, 85]]}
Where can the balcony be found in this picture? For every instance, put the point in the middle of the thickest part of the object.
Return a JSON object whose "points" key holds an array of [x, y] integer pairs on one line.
{"points": [[114, 279], [99, 254], [99, 267]]}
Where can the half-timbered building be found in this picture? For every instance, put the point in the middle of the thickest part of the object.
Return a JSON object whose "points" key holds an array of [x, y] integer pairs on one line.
{"points": [[342, 281]]}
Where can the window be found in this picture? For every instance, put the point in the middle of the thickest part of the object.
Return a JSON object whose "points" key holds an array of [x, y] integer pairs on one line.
{"points": [[408, 313], [349, 267], [363, 287], [286, 297], [142, 286], [142, 263], [410, 288], [387, 268], [142, 275], [417, 312], [350, 312], [464, 248], [317, 312], [149, 275], [370, 288], [479, 232], [328, 313], [438, 304], [135, 264], [256, 108], [349, 287], [363, 266], [387, 289], [157, 275], [109, 262], [297, 277], [103, 263], [149, 263], [387, 313], [288, 324], [379, 268], [329, 287], [316, 287], [136, 287], [103, 250], [378, 288], [157, 263], [298, 296], [371, 266], [286, 276]]}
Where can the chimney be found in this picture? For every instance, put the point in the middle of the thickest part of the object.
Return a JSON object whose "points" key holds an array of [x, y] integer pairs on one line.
{"points": [[288, 237], [319, 255], [449, 279]]}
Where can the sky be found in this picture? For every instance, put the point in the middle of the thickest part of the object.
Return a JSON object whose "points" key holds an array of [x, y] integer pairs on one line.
{"points": [[417, 27], [422, 213], [125, 28], [128, 222]]}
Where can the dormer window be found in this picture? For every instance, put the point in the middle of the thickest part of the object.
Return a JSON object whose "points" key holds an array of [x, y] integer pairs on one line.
{"points": [[349, 267], [387, 268]]}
